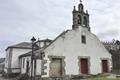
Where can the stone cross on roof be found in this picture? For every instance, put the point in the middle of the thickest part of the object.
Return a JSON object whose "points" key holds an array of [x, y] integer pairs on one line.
{"points": [[80, 1]]}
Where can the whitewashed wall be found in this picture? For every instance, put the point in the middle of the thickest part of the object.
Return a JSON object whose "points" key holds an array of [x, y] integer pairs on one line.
{"points": [[16, 52], [15, 56], [28, 58], [38, 67], [70, 46]]}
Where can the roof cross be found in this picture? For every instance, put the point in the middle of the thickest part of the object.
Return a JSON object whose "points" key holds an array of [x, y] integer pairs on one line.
{"points": [[80, 1]]}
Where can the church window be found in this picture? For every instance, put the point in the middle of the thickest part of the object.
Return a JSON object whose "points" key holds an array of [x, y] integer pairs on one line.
{"points": [[79, 19], [85, 21], [83, 39]]}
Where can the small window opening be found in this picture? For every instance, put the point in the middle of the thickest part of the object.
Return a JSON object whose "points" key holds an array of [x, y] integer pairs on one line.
{"points": [[79, 19], [83, 37]]}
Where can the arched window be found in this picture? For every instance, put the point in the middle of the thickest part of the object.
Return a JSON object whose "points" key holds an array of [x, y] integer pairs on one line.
{"points": [[79, 19], [85, 21]]}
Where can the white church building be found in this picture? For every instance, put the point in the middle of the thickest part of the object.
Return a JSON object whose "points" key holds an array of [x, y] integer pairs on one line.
{"points": [[77, 51], [74, 52]]}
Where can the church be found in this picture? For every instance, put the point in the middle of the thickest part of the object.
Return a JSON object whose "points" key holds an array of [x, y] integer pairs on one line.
{"points": [[74, 52], [77, 51]]}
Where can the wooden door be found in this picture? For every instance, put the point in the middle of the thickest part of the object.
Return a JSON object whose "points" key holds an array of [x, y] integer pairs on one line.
{"points": [[27, 67], [56, 68], [104, 66], [84, 66]]}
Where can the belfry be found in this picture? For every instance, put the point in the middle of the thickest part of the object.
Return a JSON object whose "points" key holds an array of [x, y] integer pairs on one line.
{"points": [[80, 17]]}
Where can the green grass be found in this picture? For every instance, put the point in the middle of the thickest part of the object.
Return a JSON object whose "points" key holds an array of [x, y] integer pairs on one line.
{"points": [[102, 77]]}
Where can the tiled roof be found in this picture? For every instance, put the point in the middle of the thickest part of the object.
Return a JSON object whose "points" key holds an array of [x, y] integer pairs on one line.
{"points": [[28, 45], [23, 45]]}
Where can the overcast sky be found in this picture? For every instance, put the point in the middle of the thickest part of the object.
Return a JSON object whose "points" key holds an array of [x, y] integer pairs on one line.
{"points": [[22, 19]]}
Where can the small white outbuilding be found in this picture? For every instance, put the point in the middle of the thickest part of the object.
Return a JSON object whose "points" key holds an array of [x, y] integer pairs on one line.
{"points": [[13, 52]]}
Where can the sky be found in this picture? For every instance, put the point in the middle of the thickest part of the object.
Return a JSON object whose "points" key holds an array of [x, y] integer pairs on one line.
{"points": [[22, 19]]}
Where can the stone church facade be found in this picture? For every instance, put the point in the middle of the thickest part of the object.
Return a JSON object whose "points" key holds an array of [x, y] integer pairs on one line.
{"points": [[77, 51]]}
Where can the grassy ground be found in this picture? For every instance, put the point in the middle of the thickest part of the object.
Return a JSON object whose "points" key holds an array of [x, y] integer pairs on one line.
{"points": [[103, 77]]}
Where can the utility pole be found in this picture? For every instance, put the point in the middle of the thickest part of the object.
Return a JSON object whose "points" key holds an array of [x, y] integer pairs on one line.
{"points": [[33, 40]]}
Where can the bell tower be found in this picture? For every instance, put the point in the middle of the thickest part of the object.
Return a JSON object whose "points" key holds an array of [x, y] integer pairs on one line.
{"points": [[80, 17]]}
